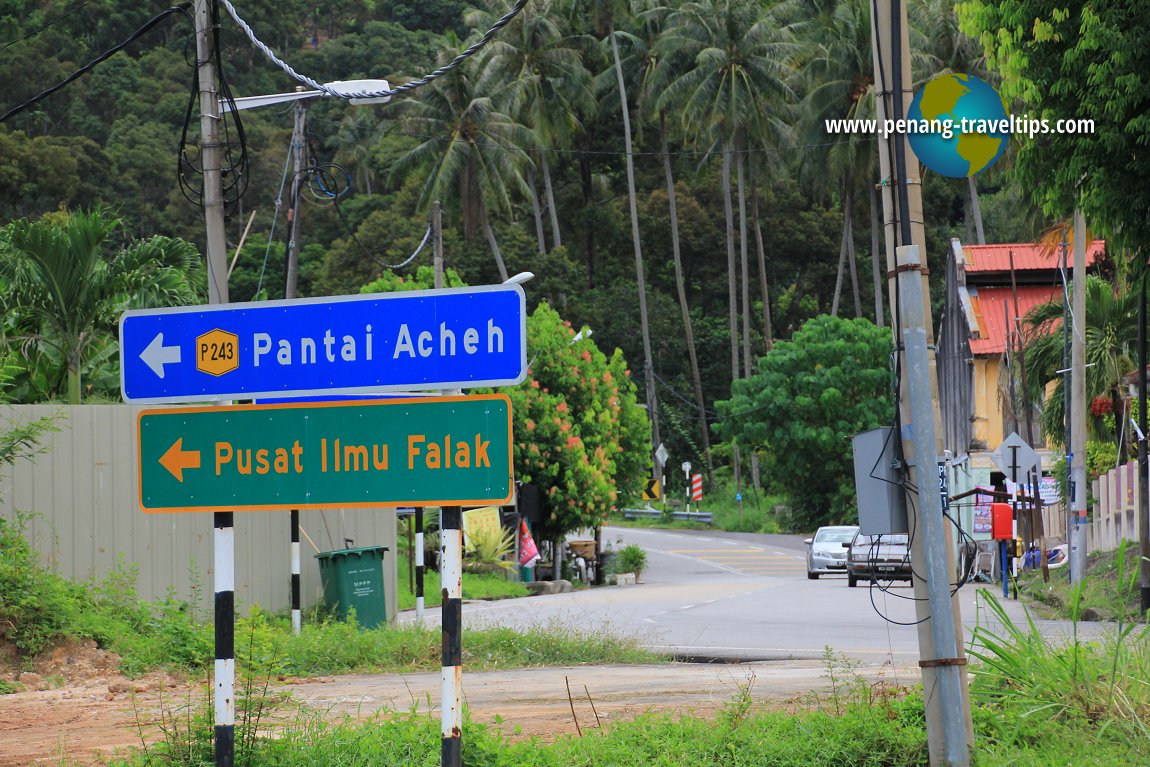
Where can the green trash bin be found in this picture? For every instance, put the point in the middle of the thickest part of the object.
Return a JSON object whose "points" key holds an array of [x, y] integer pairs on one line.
{"points": [[353, 578]]}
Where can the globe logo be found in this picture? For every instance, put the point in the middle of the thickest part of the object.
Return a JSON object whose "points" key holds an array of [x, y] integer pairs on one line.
{"points": [[958, 125]]}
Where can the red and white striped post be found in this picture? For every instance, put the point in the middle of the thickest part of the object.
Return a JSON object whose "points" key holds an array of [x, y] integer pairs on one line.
{"points": [[696, 489]]}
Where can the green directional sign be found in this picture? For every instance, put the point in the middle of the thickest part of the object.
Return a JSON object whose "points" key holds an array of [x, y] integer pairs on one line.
{"points": [[435, 451]]}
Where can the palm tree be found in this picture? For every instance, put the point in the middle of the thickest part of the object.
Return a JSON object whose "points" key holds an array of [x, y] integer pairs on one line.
{"points": [[604, 14], [1110, 330], [651, 28], [551, 89], [839, 83], [71, 294], [474, 151], [730, 94], [353, 142]]}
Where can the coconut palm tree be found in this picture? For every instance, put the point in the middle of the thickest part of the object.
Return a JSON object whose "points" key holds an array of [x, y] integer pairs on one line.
{"points": [[650, 29], [474, 152], [1110, 329], [70, 293], [604, 14], [838, 82], [552, 89], [732, 92]]}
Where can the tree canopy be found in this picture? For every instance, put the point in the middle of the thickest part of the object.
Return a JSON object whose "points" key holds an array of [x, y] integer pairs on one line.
{"points": [[811, 394], [1075, 60]]}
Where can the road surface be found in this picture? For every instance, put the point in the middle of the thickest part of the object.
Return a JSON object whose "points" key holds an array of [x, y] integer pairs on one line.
{"points": [[738, 597]]}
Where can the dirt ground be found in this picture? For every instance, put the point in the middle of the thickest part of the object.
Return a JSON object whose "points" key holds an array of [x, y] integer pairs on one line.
{"points": [[77, 708]]}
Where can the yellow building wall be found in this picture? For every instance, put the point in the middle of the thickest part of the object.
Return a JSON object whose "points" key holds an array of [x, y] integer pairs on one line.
{"points": [[987, 425], [988, 416]]}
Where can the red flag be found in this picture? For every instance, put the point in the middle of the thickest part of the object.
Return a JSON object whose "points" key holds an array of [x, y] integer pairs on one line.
{"points": [[528, 551]]}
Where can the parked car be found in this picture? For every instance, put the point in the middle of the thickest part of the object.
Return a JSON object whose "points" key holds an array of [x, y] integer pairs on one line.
{"points": [[878, 557], [826, 552]]}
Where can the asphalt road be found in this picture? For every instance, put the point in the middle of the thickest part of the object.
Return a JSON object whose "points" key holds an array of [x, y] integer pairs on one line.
{"points": [[737, 596]]}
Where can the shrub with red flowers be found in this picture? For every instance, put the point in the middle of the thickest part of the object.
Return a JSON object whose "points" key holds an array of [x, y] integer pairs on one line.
{"points": [[580, 435]]}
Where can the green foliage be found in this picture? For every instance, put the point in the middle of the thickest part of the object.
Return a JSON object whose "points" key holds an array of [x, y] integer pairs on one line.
{"points": [[22, 440], [874, 729], [423, 279], [1101, 457], [629, 559], [64, 295], [579, 434], [1077, 60], [489, 547], [1038, 687], [1108, 592], [810, 396], [39, 607]]}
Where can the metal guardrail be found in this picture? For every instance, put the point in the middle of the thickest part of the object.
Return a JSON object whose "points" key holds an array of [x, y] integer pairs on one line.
{"points": [[650, 513]]}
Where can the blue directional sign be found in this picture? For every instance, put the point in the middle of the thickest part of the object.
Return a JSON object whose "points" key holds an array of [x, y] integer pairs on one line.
{"points": [[420, 340]]}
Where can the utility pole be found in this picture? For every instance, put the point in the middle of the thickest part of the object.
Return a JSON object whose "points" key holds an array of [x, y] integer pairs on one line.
{"points": [[948, 720], [223, 540], [217, 248], [1078, 404], [1143, 477], [297, 150]]}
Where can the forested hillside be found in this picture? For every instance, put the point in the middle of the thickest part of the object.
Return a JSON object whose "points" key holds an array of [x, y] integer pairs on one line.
{"points": [[772, 220]]}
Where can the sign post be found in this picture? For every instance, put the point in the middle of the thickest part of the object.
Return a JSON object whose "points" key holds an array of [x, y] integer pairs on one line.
{"points": [[419, 340], [405, 452]]}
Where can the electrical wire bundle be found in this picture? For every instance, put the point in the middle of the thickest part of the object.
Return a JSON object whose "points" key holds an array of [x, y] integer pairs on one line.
{"points": [[233, 151]]}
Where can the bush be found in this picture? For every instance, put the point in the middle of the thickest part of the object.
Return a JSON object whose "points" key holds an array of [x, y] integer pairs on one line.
{"points": [[629, 559]]}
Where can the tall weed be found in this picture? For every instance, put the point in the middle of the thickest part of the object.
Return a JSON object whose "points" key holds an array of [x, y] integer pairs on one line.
{"points": [[1037, 685]]}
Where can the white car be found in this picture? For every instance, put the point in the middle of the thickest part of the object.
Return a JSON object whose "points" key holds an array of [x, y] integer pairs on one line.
{"points": [[826, 552]]}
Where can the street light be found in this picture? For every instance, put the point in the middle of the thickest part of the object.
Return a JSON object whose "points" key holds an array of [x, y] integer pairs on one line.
{"points": [[344, 88], [520, 278]]}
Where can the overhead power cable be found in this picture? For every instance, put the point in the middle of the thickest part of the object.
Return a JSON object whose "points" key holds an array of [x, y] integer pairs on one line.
{"points": [[463, 56], [181, 8]]}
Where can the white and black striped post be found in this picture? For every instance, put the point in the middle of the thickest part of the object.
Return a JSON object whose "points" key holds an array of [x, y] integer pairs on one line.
{"points": [[451, 579], [225, 670], [419, 564], [296, 621]]}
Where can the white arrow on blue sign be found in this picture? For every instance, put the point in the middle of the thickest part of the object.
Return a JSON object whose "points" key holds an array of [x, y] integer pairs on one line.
{"points": [[452, 338]]}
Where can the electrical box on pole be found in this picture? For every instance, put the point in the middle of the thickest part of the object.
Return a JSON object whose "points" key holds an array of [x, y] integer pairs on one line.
{"points": [[878, 483]]}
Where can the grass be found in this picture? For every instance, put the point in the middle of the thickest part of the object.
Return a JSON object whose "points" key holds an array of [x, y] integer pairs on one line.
{"points": [[39, 608], [872, 730], [1110, 588], [1035, 705], [1032, 691], [475, 586]]}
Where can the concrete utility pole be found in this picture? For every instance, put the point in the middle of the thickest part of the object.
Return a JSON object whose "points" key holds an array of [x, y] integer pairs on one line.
{"points": [[298, 143], [948, 722], [217, 248], [1143, 477], [1078, 404]]}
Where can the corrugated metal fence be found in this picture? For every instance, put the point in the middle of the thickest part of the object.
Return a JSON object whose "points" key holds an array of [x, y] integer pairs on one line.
{"points": [[83, 493]]}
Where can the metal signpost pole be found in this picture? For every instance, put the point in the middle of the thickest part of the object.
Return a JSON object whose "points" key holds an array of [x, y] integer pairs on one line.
{"points": [[419, 564], [451, 575], [296, 621]]}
